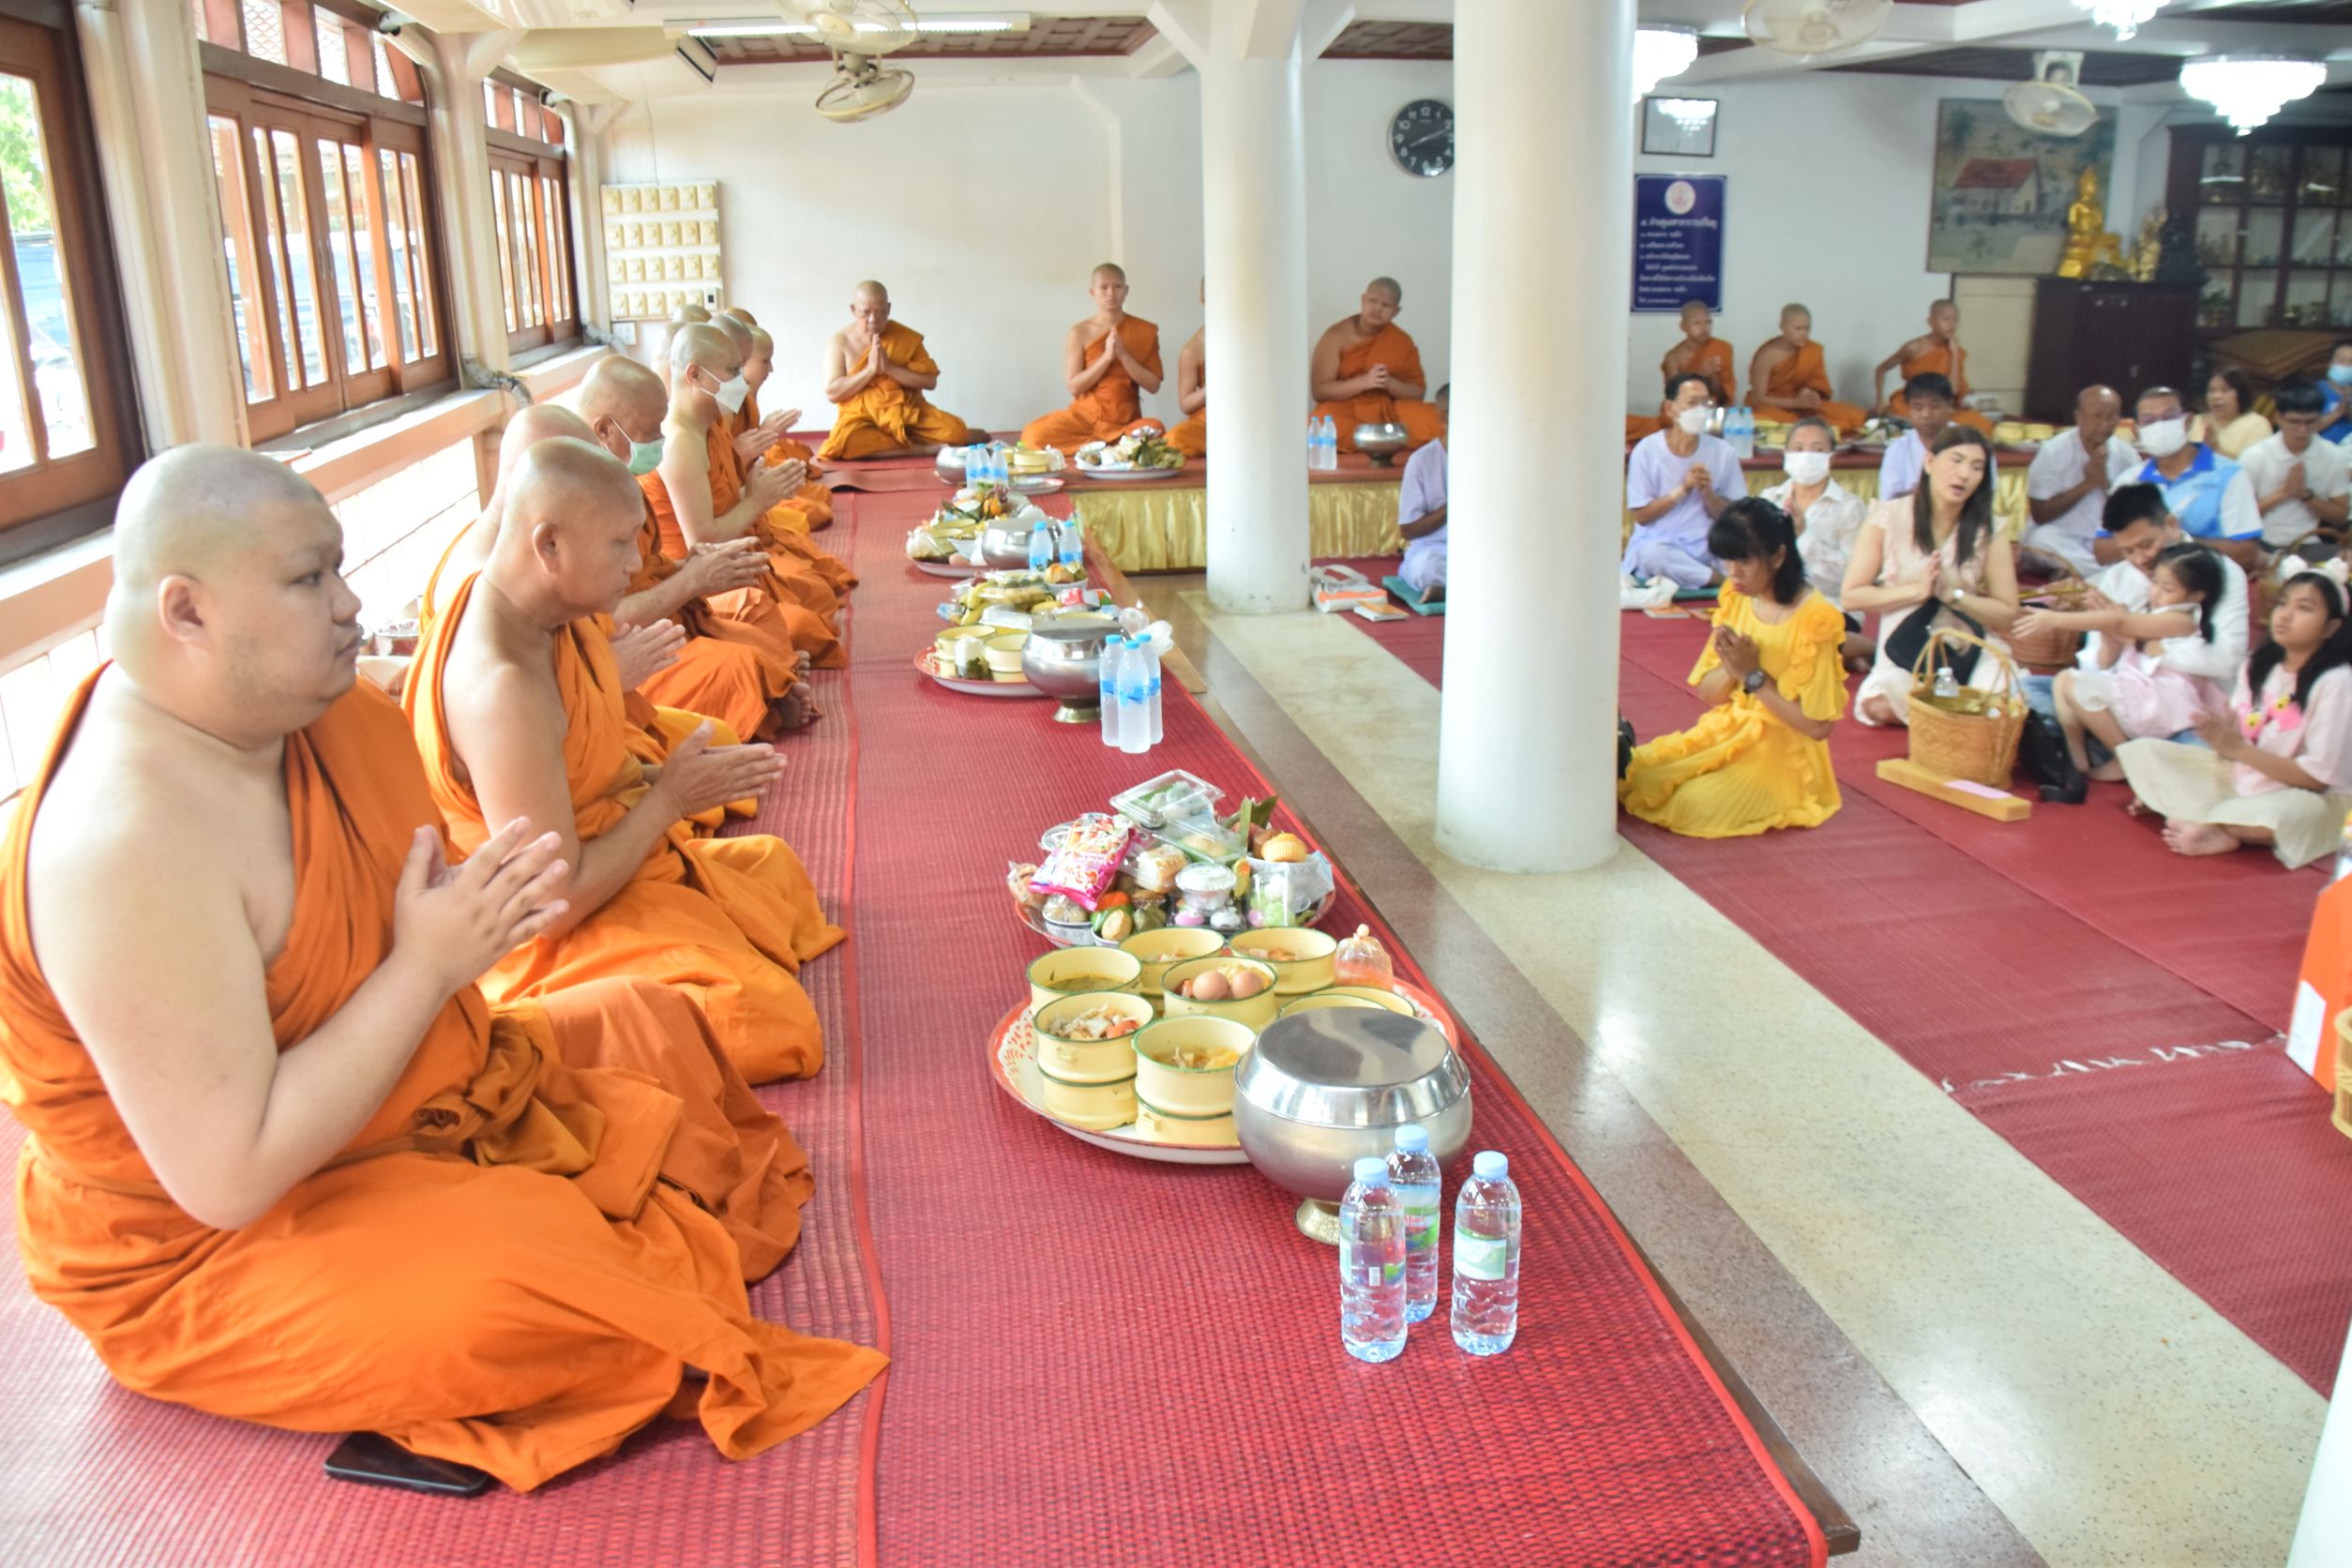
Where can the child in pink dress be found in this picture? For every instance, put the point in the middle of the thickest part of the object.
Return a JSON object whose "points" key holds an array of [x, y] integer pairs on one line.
{"points": [[2136, 694]]}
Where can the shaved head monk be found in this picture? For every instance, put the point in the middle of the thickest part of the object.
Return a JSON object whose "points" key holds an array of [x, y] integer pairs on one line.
{"points": [[1110, 360], [809, 507], [1365, 371], [1702, 353], [299, 1173], [518, 712], [1191, 437], [680, 319], [1789, 379], [877, 373], [1938, 353]]}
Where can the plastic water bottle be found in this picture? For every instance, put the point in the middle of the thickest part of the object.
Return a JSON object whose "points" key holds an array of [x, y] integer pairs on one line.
{"points": [[1147, 650], [1114, 648], [1372, 1265], [1413, 1171], [1946, 684], [1073, 547], [1330, 445], [1486, 1257], [1135, 699], [1040, 548]]}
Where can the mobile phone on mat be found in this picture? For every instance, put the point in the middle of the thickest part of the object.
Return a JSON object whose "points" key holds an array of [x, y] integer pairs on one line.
{"points": [[377, 1460]]}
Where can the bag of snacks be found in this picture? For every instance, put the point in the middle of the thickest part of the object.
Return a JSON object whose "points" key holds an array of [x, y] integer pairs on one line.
{"points": [[1086, 863], [1285, 893], [1362, 961], [1021, 878]]}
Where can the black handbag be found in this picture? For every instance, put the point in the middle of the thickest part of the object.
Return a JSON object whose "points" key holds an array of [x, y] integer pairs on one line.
{"points": [[1910, 635]]}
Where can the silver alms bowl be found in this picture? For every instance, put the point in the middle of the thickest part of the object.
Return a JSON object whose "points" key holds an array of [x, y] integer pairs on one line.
{"points": [[1381, 443], [1064, 658]]}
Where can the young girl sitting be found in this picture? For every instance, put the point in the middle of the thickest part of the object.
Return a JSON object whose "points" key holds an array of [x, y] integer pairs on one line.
{"points": [[2134, 694], [2279, 768]]}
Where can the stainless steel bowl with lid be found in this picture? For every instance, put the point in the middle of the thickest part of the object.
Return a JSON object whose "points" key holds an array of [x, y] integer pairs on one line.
{"points": [[1322, 1089], [1381, 443], [1004, 543], [1064, 658]]}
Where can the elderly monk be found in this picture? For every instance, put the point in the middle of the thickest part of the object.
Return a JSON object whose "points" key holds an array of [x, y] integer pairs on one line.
{"points": [[1191, 437], [680, 319], [877, 371], [300, 1173], [1365, 371], [520, 713], [1937, 354], [809, 508], [1110, 360], [1789, 381], [700, 496]]}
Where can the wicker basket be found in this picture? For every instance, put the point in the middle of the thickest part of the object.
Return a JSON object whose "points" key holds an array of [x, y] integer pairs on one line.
{"points": [[2055, 649], [1971, 736]]}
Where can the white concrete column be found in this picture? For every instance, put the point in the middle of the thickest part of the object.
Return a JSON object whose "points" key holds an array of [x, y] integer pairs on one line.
{"points": [[148, 112], [1253, 187], [454, 69], [585, 148], [1543, 217]]}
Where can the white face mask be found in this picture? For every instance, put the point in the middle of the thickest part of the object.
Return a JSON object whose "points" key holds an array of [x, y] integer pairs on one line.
{"points": [[731, 393], [1806, 468], [2164, 437], [1692, 420]]}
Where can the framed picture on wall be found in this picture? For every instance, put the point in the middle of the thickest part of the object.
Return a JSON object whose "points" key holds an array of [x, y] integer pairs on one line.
{"points": [[1998, 193], [1679, 127]]}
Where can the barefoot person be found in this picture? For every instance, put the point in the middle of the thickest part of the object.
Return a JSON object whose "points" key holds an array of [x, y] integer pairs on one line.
{"points": [[299, 1173], [1110, 361], [1365, 369], [877, 375], [2276, 769], [518, 713]]}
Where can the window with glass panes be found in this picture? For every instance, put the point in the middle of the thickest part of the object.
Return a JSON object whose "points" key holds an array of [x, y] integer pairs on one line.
{"points": [[317, 135], [2273, 224], [530, 204]]}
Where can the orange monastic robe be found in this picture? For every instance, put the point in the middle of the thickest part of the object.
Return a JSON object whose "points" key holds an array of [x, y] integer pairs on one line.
{"points": [[886, 415], [1641, 426], [1712, 359], [1392, 346], [791, 588], [1113, 406], [807, 507], [1939, 361], [726, 920], [760, 644], [1806, 371], [791, 519], [511, 1265], [1191, 438]]}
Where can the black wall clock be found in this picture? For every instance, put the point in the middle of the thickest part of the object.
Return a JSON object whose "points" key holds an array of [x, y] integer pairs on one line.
{"points": [[1421, 138]]}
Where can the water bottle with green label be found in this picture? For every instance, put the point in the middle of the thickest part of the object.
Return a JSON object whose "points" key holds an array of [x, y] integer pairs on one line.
{"points": [[1486, 1257], [1414, 1173]]}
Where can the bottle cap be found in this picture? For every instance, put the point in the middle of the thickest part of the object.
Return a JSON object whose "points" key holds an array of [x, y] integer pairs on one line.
{"points": [[1413, 1138], [1492, 1165], [1372, 1171]]}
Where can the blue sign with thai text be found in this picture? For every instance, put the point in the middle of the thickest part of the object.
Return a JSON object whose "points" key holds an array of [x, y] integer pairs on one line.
{"points": [[1678, 241]]}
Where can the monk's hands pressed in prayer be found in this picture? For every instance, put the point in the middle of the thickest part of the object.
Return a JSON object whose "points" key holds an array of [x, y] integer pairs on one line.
{"points": [[460, 920], [1110, 347], [769, 483], [2222, 733], [699, 776], [646, 651], [1737, 651], [722, 568]]}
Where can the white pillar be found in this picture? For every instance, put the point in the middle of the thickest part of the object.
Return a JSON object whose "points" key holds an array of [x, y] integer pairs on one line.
{"points": [[1543, 201], [585, 134], [1253, 183]]}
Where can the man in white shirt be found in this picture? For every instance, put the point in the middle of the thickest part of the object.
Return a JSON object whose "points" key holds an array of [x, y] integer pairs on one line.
{"points": [[1675, 482], [2300, 482], [1928, 398], [2067, 486], [2210, 497], [1420, 513]]}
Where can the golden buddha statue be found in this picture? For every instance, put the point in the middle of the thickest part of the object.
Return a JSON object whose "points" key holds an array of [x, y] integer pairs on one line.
{"points": [[2087, 243]]}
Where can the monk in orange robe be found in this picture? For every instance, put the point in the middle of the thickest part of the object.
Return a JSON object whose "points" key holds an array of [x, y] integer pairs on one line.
{"points": [[877, 373], [1191, 437], [1367, 371], [1937, 354], [753, 437], [300, 1173], [1790, 380], [1702, 353], [517, 711], [1108, 360]]}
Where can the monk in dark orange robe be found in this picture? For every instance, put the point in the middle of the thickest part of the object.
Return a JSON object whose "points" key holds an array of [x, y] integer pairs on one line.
{"points": [[517, 711], [1108, 360], [877, 377], [300, 1173], [752, 436], [1702, 353], [1937, 354], [1367, 371], [1790, 380], [1191, 437]]}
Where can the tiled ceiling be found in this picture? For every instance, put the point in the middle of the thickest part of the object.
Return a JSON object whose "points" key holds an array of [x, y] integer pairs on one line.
{"points": [[1049, 37], [2100, 69], [1394, 41]]}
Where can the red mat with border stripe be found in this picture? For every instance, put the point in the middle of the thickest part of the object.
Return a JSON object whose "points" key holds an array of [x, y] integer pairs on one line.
{"points": [[1101, 1359], [2108, 1007]]}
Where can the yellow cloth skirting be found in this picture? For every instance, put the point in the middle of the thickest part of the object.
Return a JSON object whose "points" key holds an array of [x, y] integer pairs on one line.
{"points": [[1158, 529]]}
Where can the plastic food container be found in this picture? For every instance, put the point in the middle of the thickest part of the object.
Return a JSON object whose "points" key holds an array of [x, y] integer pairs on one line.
{"points": [[1175, 794], [1162, 1079], [1206, 888], [1082, 1061], [1166, 947], [1081, 971], [1255, 1011], [1302, 959]]}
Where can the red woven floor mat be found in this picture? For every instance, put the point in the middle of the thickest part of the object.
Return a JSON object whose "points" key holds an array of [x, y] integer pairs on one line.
{"points": [[98, 1477], [2107, 1008], [1103, 1359]]}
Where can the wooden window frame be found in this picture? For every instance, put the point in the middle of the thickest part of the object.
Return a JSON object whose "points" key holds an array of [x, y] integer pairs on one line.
{"points": [[260, 93], [58, 498], [551, 276]]}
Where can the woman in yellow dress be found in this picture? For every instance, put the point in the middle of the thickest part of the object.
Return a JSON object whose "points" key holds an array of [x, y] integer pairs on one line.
{"points": [[1759, 759]]}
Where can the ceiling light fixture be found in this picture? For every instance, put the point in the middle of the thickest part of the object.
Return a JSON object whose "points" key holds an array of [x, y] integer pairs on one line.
{"points": [[2125, 16], [2248, 89], [1692, 114], [1659, 53]]}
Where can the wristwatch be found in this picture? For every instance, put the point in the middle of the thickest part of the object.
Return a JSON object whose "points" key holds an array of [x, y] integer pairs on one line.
{"points": [[1753, 682]]}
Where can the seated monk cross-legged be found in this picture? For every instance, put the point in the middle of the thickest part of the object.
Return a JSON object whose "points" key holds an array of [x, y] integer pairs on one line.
{"points": [[1937, 353], [1789, 379], [1191, 437], [1702, 353], [1110, 360], [748, 438], [300, 1173], [876, 372], [518, 713], [1365, 371]]}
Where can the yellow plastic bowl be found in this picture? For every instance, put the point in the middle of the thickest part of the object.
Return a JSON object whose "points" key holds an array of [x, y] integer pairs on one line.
{"points": [[1075, 970], [1094, 1106], [1373, 994], [1169, 945], [1255, 1011], [1310, 968], [1004, 653], [1089, 1061], [1315, 1001], [1166, 1127], [1189, 1091], [946, 641]]}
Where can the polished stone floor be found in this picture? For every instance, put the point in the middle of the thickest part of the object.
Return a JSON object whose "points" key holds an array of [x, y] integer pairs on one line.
{"points": [[1980, 1369]]}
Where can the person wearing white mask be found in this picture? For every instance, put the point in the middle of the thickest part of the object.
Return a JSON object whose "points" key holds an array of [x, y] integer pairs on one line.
{"points": [[2067, 486], [1826, 516], [1676, 483], [2209, 495], [2336, 419]]}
